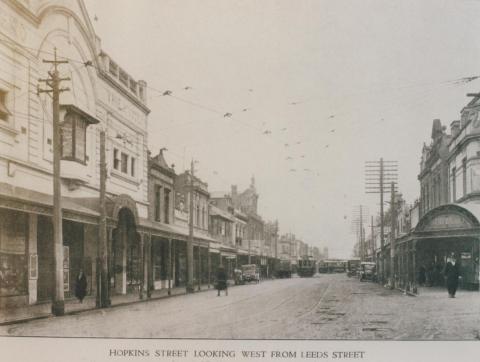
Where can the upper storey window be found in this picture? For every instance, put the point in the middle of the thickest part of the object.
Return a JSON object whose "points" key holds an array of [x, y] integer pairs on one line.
{"points": [[4, 112], [74, 134]]}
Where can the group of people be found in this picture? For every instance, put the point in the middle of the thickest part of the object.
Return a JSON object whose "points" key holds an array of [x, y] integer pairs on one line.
{"points": [[439, 275]]}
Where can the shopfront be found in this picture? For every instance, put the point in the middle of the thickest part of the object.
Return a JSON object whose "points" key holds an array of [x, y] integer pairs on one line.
{"points": [[448, 230]]}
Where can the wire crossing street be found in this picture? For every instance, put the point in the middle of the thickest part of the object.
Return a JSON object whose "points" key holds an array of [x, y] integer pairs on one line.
{"points": [[327, 306]]}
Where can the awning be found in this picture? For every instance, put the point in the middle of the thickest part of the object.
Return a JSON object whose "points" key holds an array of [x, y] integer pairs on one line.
{"points": [[21, 199], [450, 217], [171, 230]]}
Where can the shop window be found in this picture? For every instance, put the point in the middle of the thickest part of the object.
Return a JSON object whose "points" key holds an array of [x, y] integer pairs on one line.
{"points": [[4, 112], [124, 165], [13, 247], [74, 138]]}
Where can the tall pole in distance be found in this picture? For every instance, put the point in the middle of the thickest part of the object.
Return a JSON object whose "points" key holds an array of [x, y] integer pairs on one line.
{"points": [[190, 288], [378, 175], [359, 214], [374, 247], [362, 255], [58, 302], [393, 220], [382, 225]]}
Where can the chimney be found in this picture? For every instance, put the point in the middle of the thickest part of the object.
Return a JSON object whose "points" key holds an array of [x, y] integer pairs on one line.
{"points": [[234, 191], [455, 128], [437, 130]]}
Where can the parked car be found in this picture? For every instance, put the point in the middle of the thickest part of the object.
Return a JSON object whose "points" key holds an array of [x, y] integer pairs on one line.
{"points": [[353, 267], [238, 277], [250, 273], [368, 271]]}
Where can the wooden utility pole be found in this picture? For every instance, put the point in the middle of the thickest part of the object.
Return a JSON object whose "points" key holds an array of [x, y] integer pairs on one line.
{"points": [[374, 247], [58, 302], [103, 290], [393, 216], [362, 253], [360, 213], [378, 175], [190, 288]]}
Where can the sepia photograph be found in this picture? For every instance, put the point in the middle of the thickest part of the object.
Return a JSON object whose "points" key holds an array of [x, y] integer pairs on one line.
{"points": [[239, 170]]}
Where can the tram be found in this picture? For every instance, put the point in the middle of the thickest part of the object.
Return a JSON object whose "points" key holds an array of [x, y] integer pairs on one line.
{"points": [[306, 267], [283, 269]]}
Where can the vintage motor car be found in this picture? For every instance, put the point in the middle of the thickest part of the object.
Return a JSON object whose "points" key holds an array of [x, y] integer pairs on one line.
{"points": [[250, 273], [368, 271], [353, 267], [238, 277]]}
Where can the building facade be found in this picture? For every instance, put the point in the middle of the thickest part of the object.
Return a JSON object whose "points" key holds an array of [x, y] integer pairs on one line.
{"points": [[102, 97], [445, 222]]}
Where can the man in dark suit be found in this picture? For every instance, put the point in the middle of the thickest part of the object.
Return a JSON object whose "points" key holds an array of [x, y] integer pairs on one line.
{"points": [[452, 273]]}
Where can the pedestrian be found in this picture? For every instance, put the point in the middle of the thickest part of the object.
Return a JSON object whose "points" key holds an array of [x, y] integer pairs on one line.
{"points": [[422, 275], [222, 281], [452, 272], [81, 286]]}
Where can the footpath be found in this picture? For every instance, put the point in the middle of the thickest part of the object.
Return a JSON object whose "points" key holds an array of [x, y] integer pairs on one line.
{"points": [[18, 314]]}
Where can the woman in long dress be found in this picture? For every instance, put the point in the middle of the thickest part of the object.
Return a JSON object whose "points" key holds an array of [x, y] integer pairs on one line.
{"points": [[222, 280], [81, 286]]}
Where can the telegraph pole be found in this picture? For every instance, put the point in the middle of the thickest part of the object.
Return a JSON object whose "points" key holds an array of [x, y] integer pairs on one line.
{"points": [[103, 290], [362, 254], [374, 247], [358, 228], [58, 303], [393, 220], [378, 175], [190, 288]]}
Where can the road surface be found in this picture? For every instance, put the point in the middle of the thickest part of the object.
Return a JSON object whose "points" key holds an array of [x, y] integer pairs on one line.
{"points": [[328, 306]]}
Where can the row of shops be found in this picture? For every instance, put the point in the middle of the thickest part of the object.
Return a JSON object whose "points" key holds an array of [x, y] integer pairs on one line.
{"points": [[104, 145], [445, 222], [143, 257], [420, 257]]}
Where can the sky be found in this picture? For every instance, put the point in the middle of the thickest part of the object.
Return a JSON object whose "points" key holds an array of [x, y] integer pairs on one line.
{"points": [[297, 93]]}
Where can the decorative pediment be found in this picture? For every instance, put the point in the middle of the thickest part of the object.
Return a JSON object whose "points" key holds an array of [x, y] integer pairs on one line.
{"points": [[447, 217]]}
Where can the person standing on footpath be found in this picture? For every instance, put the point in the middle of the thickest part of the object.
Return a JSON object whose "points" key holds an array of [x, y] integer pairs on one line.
{"points": [[222, 281], [81, 286], [452, 273]]}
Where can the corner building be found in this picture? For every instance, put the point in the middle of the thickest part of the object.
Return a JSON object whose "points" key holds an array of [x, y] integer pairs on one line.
{"points": [[102, 96], [449, 206]]}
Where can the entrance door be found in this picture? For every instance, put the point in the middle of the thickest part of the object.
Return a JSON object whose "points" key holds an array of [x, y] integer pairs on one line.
{"points": [[46, 275]]}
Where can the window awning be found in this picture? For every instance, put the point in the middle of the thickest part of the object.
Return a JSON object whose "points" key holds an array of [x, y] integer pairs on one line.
{"points": [[71, 108], [4, 110]]}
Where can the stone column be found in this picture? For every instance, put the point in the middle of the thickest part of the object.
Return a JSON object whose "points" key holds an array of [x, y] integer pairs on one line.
{"points": [[169, 266], [141, 291], [414, 266], [147, 264]]}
